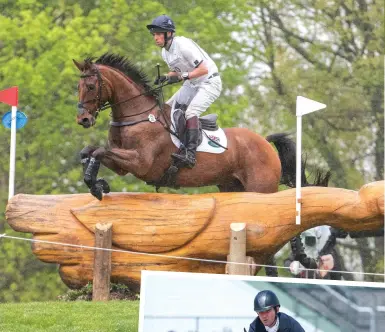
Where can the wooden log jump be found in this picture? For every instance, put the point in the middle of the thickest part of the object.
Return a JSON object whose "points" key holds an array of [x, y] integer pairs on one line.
{"points": [[182, 225]]}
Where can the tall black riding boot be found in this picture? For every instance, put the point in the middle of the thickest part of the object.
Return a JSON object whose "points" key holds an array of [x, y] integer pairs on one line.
{"points": [[186, 157]]}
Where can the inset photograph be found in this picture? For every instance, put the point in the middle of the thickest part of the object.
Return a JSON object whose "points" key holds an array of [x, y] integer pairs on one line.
{"points": [[190, 302]]}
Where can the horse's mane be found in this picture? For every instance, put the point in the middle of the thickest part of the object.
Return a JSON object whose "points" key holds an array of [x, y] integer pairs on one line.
{"points": [[124, 65]]}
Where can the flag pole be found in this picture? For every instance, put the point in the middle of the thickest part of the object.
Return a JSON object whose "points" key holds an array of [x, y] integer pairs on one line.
{"points": [[298, 172], [303, 106], [12, 158], [10, 96]]}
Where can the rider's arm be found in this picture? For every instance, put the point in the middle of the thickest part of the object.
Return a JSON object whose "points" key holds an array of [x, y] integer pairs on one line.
{"points": [[198, 71], [192, 53]]}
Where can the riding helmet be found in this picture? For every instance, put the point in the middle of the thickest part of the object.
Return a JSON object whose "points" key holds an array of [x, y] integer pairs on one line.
{"points": [[162, 23], [265, 300]]}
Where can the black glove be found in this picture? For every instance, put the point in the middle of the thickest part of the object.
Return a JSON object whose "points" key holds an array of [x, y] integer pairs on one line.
{"points": [[160, 79], [297, 249], [174, 79]]}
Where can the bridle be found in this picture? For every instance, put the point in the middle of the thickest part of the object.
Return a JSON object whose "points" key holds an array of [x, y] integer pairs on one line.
{"points": [[100, 106], [98, 97]]}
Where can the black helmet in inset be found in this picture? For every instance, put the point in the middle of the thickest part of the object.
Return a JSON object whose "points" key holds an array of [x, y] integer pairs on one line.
{"points": [[162, 23], [265, 300]]}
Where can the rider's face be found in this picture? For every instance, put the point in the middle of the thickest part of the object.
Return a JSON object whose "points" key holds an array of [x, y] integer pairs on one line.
{"points": [[267, 317], [159, 38]]}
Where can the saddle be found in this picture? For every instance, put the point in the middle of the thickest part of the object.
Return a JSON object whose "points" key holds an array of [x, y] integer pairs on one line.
{"points": [[207, 122]]}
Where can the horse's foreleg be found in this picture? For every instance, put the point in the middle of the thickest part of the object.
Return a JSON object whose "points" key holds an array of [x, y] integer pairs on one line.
{"points": [[85, 155], [119, 160], [90, 158], [127, 161], [87, 151]]}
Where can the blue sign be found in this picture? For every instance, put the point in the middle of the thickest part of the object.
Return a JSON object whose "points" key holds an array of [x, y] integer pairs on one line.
{"points": [[21, 119]]}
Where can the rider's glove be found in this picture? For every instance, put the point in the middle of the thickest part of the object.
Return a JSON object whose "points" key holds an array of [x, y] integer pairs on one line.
{"points": [[160, 79], [174, 79]]}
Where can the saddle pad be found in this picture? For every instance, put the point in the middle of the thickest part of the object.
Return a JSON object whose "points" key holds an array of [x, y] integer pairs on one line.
{"points": [[207, 145]]}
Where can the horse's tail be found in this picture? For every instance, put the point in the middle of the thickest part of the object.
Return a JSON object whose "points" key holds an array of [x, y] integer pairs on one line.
{"points": [[287, 154]]}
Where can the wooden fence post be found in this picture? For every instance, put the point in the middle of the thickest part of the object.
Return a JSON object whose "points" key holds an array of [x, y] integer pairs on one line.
{"points": [[238, 250], [102, 262]]}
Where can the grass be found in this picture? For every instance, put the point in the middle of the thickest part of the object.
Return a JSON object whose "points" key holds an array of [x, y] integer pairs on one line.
{"points": [[70, 316]]}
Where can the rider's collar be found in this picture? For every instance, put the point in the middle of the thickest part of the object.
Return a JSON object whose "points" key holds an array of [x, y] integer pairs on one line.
{"points": [[275, 327]]}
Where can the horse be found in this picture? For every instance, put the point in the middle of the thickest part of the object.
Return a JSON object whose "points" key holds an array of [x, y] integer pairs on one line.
{"points": [[142, 146]]}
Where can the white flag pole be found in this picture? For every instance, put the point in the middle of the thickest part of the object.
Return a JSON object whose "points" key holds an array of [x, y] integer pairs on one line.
{"points": [[303, 106], [298, 172], [12, 157]]}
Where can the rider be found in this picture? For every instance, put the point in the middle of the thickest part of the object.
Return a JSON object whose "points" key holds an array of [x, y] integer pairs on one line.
{"points": [[266, 304], [202, 84]]}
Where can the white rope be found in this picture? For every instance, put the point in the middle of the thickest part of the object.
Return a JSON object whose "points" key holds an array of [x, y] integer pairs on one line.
{"points": [[177, 257]]}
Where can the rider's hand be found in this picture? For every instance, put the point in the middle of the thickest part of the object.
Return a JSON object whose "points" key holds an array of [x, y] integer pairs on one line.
{"points": [[174, 79], [160, 79], [296, 267]]}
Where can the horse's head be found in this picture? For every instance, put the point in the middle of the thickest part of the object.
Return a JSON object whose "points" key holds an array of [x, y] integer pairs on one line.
{"points": [[92, 96]]}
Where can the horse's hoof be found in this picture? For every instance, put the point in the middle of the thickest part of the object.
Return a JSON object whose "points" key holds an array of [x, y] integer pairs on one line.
{"points": [[104, 184], [97, 191]]}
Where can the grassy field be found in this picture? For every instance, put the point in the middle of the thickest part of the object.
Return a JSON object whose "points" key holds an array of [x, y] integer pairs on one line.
{"points": [[70, 316]]}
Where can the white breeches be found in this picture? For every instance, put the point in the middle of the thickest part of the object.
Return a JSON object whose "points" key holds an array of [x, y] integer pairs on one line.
{"points": [[197, 98]]}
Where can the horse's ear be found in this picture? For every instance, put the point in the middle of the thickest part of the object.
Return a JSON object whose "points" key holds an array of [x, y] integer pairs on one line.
{"points": [[81, 66]]}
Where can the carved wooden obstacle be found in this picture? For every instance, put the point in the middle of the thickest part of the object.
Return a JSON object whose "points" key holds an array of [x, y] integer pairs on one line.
{"points": [[181, 225]]}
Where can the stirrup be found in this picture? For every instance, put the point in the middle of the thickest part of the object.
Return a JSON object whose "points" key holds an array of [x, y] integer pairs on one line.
{"points": [[183, 160]]}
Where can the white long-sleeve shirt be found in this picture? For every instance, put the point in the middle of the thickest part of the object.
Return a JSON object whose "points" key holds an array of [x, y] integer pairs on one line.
{"points": [[184, 55]]}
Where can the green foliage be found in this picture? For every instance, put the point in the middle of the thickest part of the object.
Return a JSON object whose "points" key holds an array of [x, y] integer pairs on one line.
{"points": [[84, 293], [117, 292]]}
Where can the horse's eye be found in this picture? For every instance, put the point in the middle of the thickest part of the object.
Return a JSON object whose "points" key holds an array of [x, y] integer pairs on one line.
{"points": [[91, 87]]}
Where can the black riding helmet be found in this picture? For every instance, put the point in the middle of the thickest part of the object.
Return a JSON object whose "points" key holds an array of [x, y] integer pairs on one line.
{"points": [[265, 300], [162, 23]]}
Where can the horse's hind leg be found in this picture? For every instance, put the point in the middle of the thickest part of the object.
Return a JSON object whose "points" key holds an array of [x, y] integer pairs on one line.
{"points": [[258, 180]]}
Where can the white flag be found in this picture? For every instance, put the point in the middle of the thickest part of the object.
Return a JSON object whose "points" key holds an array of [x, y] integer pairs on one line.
{"points": [[306, 105]]}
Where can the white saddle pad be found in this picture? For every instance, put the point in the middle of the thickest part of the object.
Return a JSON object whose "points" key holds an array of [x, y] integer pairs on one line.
{"points": [[207, 145]]}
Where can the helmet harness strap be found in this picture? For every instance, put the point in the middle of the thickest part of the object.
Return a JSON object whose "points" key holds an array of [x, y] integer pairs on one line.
{"points": [[166, 39]]}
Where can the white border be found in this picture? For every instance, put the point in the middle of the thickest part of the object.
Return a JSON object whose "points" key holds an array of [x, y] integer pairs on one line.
{"points": [[146, 273]]}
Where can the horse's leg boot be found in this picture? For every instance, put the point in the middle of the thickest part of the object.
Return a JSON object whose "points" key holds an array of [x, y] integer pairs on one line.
{"points": [[186, 157], [91, 172]]}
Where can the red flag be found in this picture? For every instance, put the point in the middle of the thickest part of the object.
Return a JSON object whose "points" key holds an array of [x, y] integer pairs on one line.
{"points": [[9, 96]]}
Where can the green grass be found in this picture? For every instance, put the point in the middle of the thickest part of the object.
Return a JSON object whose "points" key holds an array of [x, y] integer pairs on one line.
{"points": [[70, 316]]}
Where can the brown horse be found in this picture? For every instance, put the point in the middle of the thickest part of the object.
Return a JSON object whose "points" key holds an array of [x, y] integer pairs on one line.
{"points": [[140, 143]]}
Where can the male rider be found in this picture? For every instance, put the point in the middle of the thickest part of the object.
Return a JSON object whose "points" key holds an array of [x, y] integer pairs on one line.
{"points": [[202, 84], [269, 319]]}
